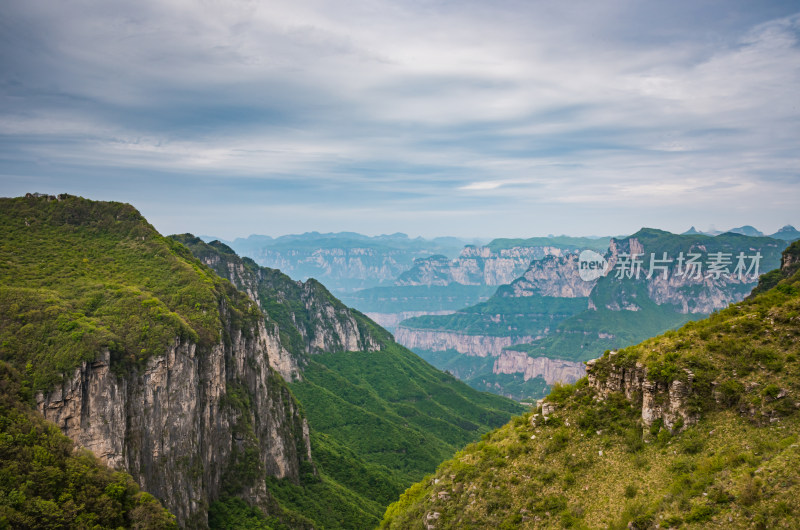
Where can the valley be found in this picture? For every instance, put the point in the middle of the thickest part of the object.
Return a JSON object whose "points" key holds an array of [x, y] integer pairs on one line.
{"points": [[237, 396]]}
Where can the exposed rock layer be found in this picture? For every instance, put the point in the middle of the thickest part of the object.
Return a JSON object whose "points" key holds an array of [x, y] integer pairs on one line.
{"points": [[173, 425], [660, 401], [551, 370]]}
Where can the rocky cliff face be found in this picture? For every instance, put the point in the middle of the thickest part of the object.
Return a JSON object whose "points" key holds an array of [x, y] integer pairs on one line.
{"points": [[475, 345], [689, 292], [667, 402], [476, 266], [551, 370], [323, 323], [189, 422], [551, 276]]}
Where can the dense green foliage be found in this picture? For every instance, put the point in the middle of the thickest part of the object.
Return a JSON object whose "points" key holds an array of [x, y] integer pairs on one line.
{"points": [[588, 334], [592, 463], [378, 420], [410, 408], [45, 482], [400, 298], [503, 316], [79, 276]]}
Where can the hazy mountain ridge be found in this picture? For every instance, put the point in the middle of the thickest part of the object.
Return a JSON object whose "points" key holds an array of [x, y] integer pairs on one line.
{"points": [[694, 428], [605, 312], [343, 261]]}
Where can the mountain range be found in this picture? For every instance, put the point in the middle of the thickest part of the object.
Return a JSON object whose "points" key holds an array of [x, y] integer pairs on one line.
{"points": [[695, 428], [272, 405]]}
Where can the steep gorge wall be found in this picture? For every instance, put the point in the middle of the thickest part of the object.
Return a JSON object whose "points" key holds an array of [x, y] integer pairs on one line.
{"points": [[475, 345], [183, 424], [551, 370], [476, 266]]}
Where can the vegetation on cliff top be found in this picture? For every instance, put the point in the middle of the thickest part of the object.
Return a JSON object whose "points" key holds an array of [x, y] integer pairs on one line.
{"points": [[592, 463], [80, 276]]}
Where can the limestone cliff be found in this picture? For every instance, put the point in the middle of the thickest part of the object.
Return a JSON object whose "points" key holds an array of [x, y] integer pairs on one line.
{"points": [[551, 276], [305, 311], [476, 266], [476, 345], [179, 427], [668, 402], [551, 370]]}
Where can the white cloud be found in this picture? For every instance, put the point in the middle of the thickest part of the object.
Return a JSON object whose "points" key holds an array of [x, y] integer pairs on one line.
{"points": [[534, 103]]}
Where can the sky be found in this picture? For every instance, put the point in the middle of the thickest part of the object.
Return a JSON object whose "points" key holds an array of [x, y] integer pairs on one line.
{"points": [[469, 118]]}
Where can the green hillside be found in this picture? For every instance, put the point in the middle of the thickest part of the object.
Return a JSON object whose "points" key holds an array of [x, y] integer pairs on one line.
{"points": [[616, 450], [503, 316], [379, 420], [400, 298], [79, 276]]}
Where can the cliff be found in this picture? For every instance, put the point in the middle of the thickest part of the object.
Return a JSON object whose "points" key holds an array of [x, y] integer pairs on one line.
{"points": [[551, 370], [189, 425], [695, 428], [474, 345], [310, 318], [367, 399], [50, 483], [667, 402], [556, 276], [143, 355], [345, 261], [475, 266]]}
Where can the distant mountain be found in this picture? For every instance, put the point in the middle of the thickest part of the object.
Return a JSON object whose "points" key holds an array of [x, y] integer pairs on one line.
{"points": [[787, 233], [497, 263], [696, 428], [540, 328], [747, 230], [343, 261]]}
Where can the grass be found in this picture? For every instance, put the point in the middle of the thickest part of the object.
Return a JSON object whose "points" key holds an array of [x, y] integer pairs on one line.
{"points": [[592, 464], [79, 276]]}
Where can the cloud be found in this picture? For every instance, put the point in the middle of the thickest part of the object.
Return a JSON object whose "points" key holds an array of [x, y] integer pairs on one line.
{"points": [[415, 106]]}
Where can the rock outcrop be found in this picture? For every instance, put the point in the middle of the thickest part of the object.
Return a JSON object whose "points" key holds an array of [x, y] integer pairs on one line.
{"points": [[551, 370], [189, 422], [667, 402], [323, 322], [476, 266], [476, 345], [550, 276]]}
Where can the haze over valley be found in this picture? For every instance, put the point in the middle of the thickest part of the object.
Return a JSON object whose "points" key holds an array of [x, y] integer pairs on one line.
{"points": [[401, 265]]}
